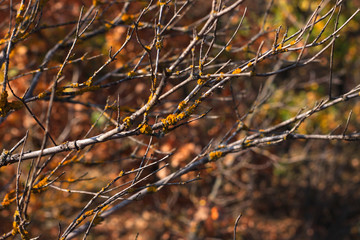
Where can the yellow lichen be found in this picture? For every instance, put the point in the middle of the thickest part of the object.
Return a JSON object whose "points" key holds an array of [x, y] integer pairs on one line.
{"points": [[74, 159], [89, 82], [24, 234], [201, 81], [127, 121], [89, 213], [2, 41], [181, 105], [131, 74], [279, 47], [8, 199], [189, 110], [161, 2], [108, 25], [19, 15], [215, 155], [80, 219], [149, 100], [112, 107], [96, 2], [236, 71], [127, 18], [15, 229], [247, 142], [146, 129], [104, 208], [171, 119], [40, 186], [151, 189], [159, 44], [180, 116]]}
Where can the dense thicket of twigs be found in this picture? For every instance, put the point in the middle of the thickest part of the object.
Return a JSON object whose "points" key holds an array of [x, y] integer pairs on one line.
{"points": [[172, 119]]}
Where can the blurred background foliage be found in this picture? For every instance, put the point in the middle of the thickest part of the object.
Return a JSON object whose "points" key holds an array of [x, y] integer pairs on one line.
{"points": [[294, 190]]}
